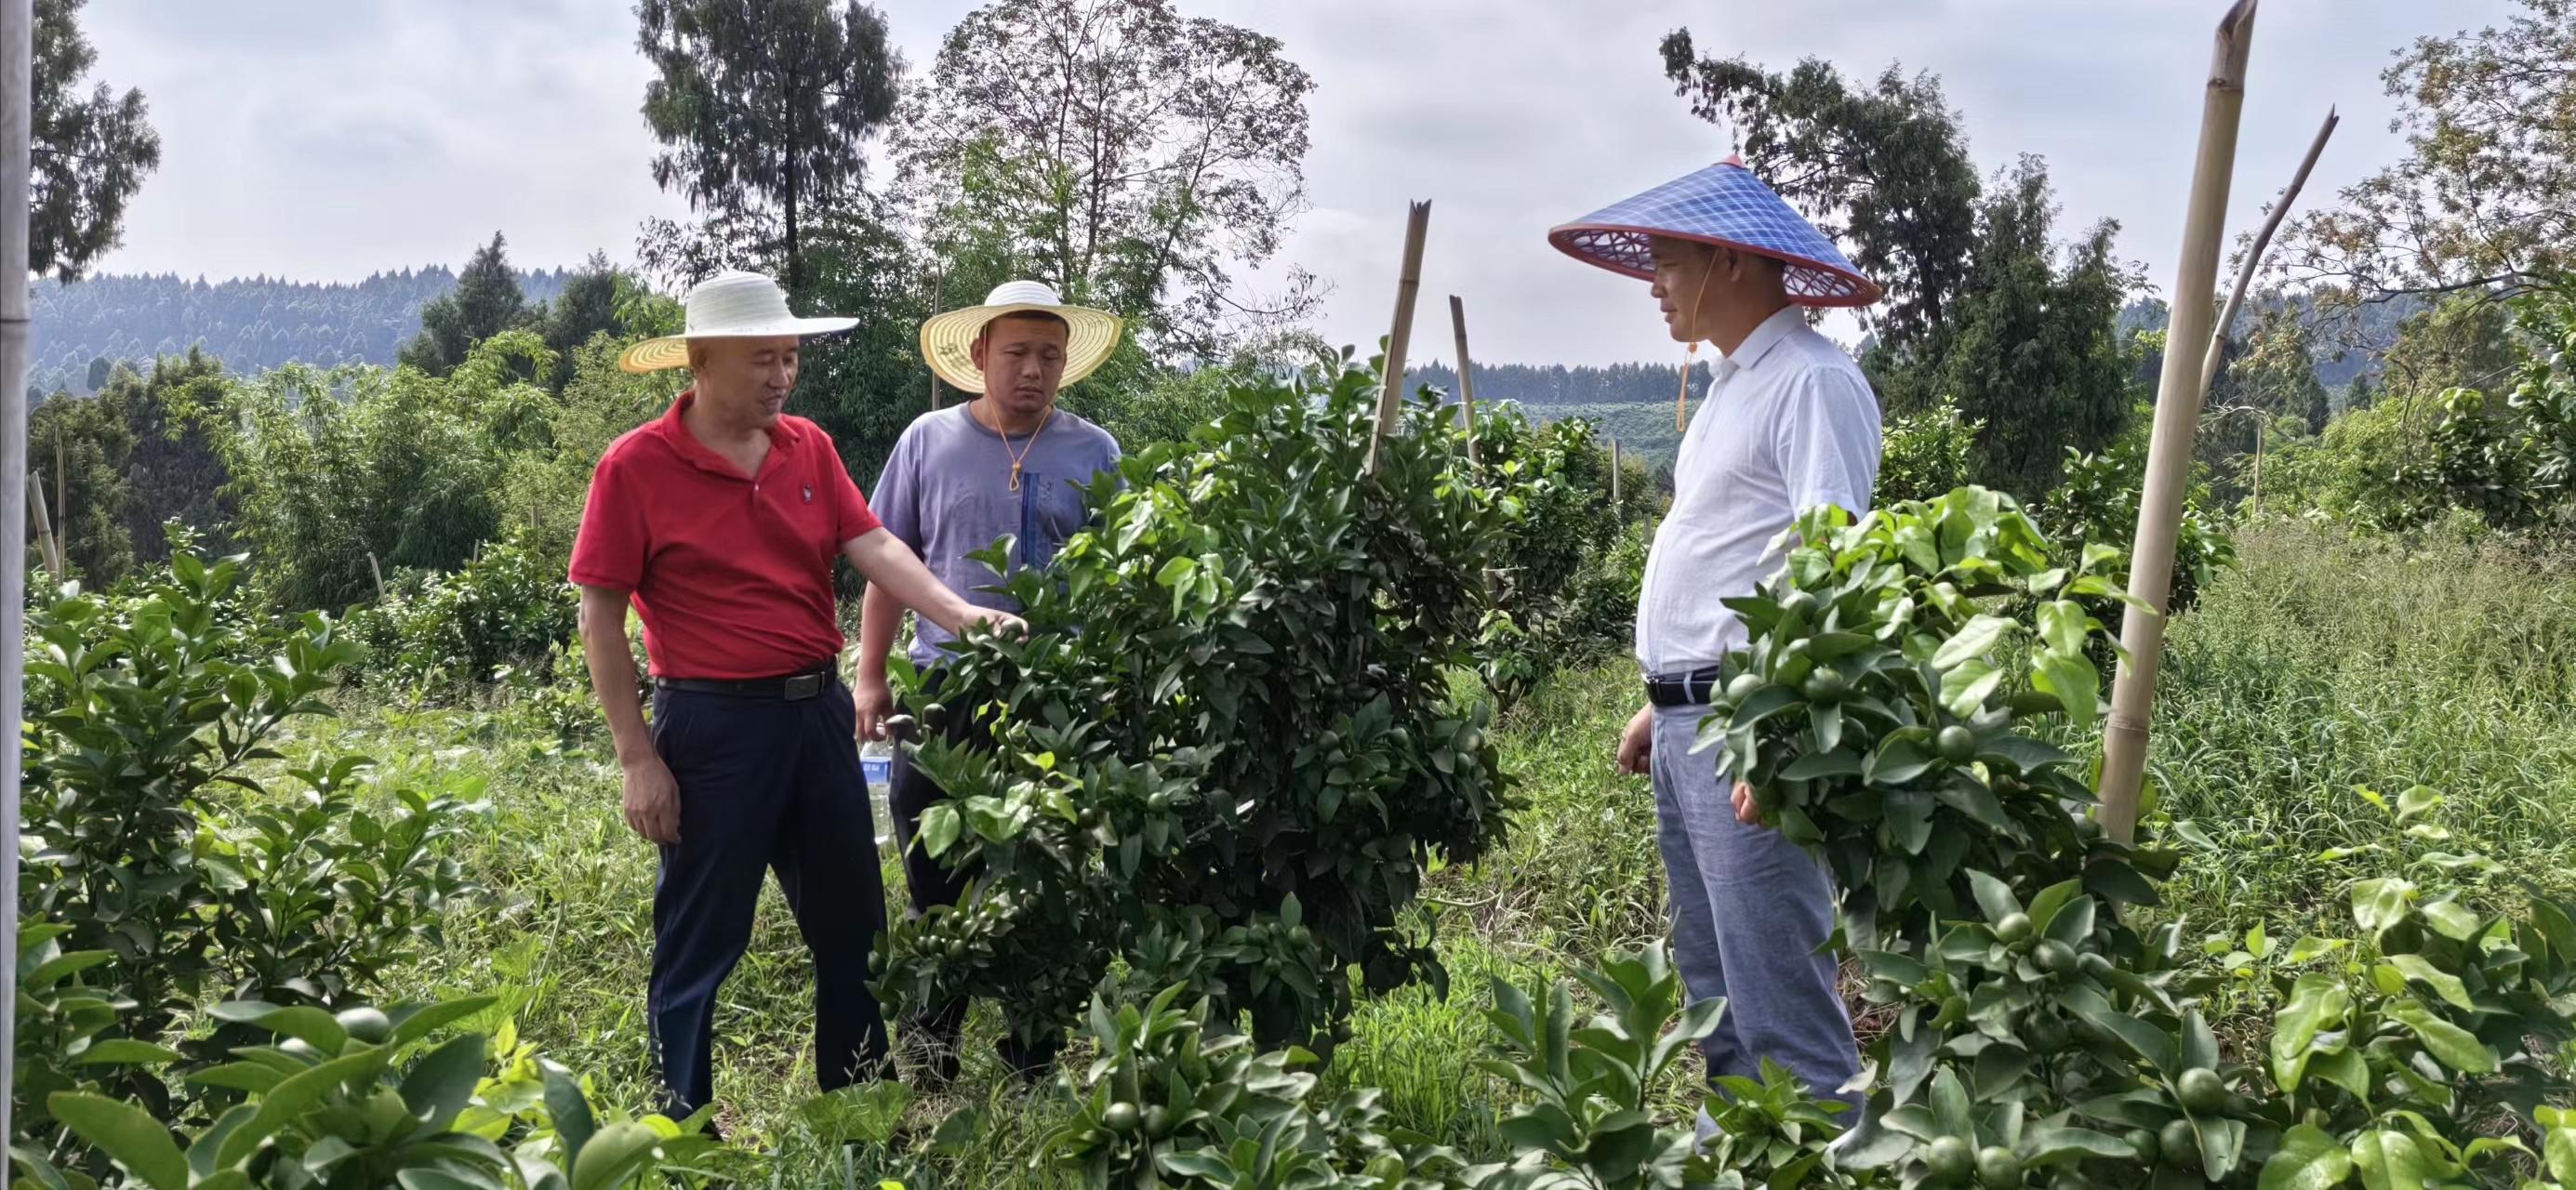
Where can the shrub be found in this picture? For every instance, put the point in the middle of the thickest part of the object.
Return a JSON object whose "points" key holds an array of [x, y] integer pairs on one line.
{"points": [[1565, 582], [1226, 751], [509, 608], [1926, 453]]}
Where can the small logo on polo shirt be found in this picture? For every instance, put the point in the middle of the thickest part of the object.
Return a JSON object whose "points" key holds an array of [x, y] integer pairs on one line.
{"points": [[809, 493]]}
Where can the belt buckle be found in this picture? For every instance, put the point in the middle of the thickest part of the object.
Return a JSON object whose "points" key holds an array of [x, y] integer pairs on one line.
{"points": [[802, 687]]}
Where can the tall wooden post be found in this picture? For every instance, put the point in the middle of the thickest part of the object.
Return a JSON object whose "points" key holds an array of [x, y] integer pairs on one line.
{"points": [[1466, 377], [935, 280], [1408, 283], [2179, 392], [1617, 510], [46, 542], [17, 92]]}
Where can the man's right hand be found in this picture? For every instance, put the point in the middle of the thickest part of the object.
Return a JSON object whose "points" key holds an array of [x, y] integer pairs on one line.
{"points": [[653, 800], [875, 702], [1637, 743]]}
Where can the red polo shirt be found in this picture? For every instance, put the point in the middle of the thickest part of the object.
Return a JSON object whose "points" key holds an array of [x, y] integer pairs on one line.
{"points": [[731, 574]]}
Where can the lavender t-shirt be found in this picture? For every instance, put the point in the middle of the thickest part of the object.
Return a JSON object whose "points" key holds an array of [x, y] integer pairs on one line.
{"points": [[946, 491]]}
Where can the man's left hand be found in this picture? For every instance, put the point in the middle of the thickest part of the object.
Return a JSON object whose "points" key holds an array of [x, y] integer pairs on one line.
{"points": [[1745, 811]]}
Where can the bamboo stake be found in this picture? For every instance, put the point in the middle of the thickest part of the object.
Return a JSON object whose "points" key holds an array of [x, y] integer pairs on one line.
{"points": [[379, 573], [47, 543], [1466, 377], [1408, 283], [17, 91], [2178, 398], [2216, 356]]}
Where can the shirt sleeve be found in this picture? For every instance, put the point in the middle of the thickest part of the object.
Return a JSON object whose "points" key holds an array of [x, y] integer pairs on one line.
{"points": [[610, 548], [898, 502], [1826, 433], [852, 519]]}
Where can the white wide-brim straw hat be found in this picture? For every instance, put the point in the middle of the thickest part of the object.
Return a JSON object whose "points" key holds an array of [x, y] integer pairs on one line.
{"points": [[948, 340], [729, 305]]}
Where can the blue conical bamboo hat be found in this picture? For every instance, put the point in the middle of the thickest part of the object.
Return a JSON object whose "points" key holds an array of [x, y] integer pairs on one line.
{"points": [[1725, 205]]}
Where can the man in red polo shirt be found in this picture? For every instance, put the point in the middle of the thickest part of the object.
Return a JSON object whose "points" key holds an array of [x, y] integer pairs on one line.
{"points": [[719, 522]]}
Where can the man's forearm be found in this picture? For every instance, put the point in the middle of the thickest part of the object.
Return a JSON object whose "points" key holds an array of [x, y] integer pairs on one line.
{"points": [[888, 564], [879, 615], [612, 671]]}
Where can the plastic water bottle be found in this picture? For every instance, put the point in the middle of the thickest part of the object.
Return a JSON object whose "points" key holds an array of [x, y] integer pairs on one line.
{"points": [[876, 762]]}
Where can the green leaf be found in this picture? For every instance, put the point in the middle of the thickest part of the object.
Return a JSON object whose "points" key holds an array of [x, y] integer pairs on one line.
{"points": [[2045, 907], [2381, 903], [1964, 689], [570, 1111], [1820, 765], [2417, 967], [2456, 1047], [940, 827], [1974, 640], [1994, 896], [2416, 801], [2318, 1003], [124, 1132], [412, 1024], [443, 1082], [125, 1051], [613, 1153], [2071, 678], [2453, 920], [2308, 1159], [2390, 1160], [297, 1094]]}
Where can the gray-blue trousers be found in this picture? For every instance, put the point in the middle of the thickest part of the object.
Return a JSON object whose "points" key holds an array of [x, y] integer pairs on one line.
{"points": [[1749, 909]]}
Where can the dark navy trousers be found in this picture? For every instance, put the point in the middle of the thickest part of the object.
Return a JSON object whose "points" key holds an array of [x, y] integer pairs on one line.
{"points": [[765, 785]]}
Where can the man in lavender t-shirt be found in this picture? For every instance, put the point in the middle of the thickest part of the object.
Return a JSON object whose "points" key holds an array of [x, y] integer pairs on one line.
{"points": [[1004, 464]]}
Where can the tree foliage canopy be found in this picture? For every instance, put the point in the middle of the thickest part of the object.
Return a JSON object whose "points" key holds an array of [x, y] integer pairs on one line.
{"points": [[89, 152], [1128, 155]]}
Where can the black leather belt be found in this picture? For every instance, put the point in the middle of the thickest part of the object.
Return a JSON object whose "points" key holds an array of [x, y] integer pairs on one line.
{"points": [[795, 687], [1682, 690]]}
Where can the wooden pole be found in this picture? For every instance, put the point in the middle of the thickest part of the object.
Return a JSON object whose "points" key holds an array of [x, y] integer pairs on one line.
{"points": [[2217, 354], [2178, 398], [1466, 377], [1408, 283], [17, 92], [379, 573]]}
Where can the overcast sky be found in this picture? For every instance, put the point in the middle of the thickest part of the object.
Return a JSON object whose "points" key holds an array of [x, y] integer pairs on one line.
{"points": [[328, 139]]}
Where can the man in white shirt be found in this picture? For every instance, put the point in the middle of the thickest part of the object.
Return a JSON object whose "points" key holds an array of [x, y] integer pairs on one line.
{"points": [[1789, 422]]}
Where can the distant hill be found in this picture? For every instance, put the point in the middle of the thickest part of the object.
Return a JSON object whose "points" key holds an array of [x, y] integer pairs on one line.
{"points": [[251, 324], [1632, 402], [2375, 327]]}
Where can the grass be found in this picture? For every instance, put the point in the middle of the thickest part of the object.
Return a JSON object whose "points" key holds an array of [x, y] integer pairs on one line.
{"points": [[2317, 667]]}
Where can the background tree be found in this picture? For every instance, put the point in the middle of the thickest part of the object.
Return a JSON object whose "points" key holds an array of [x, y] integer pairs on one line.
{"points": [[1884, 170], [89, 153], [1132, 157], [486, 301], [1982, 307], [89, 437], [763, 106], [2030, 350], [2485, 198], [173, 471]]}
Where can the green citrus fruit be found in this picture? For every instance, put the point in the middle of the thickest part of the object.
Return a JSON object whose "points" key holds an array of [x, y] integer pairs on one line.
{"points": [[1827, 686], [2046, 1034], [1997, 1167], [298, 1047], [2014, 930], [2142, 1142], [2055, 957], [1122, 1118], [366, 1024], [2201, 1091], [1803, 604], [1743, 687], [1949, 1161], [1158, 1121], [2093, 964], [2179, 1144], [1956, 744]]}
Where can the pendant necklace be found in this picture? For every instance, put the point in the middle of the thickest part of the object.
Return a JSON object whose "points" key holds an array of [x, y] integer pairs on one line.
{"points": [[1020, 457]]}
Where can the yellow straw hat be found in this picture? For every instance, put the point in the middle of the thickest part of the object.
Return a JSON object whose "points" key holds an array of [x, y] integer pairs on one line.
{"points": [[947, 340], [729, 305]]}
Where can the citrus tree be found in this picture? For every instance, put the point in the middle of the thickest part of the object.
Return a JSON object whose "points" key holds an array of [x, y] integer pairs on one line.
{"points": [[1227, 749]]}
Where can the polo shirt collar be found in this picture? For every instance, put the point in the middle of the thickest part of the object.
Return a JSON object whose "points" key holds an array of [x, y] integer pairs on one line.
{"points": [[785, 434], [1779, 326]]}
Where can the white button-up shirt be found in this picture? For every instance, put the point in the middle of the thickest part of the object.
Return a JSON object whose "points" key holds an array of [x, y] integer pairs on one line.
{"points": [[1788, 423]]}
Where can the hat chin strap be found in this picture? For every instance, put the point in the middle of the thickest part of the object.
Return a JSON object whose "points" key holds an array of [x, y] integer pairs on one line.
{"points": [[1690, 354]]}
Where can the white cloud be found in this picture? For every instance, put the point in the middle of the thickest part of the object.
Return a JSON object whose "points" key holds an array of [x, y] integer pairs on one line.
{"points": [[331, 138]]}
